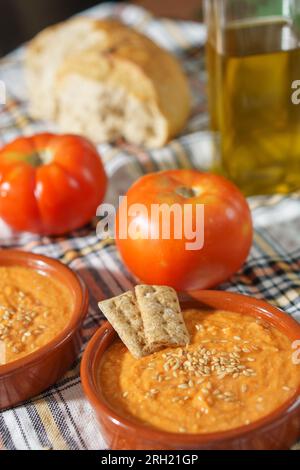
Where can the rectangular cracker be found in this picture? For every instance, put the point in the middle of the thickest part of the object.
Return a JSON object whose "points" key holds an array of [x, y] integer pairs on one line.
{"points": [[124, 315], [162, 318]]}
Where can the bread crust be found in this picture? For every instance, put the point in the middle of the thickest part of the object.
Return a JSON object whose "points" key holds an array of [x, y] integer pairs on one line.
{"points": [[108, 52]]}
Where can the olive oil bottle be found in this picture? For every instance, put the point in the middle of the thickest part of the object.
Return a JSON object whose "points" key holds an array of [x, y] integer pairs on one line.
{"points": [[251, 72]]}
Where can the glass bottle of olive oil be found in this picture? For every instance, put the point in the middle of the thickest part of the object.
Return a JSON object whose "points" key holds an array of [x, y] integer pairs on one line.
{"points": [[253, 64]]}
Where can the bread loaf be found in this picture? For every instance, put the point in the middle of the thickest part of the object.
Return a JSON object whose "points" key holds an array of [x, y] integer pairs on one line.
{"points": [[105, 80]]}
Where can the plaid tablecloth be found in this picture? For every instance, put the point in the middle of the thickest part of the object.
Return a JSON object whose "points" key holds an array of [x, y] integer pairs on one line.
{"points": [[61, 418]]}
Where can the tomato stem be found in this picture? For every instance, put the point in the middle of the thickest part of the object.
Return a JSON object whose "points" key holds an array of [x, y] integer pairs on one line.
{"points": [[187, 192], [35, 159]]}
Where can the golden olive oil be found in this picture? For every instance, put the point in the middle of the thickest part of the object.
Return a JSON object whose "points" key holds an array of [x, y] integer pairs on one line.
{"points": [[251, 74]]}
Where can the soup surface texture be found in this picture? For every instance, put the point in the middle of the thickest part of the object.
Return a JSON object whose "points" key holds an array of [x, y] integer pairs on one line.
{"points": [[34, 309], [236, 370]]}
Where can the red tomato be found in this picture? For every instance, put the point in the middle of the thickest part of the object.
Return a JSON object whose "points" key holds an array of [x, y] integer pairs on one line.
{"points": [[227, 229], [50, 184]]}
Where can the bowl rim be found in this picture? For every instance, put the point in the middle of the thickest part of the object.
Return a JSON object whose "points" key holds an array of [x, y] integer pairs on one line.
{"points": [[211, 298], [47, 266]]}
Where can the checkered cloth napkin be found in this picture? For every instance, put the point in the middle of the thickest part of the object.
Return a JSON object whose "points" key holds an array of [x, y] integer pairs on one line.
{"points": [[61, 418]]}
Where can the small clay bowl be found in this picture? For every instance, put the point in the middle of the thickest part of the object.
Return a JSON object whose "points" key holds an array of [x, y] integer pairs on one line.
{"points": [[26, 377], [279, 430]]}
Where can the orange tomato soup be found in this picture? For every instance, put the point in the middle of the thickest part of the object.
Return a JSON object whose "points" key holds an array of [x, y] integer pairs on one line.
{"points": [[34, 308], [236, 370]]}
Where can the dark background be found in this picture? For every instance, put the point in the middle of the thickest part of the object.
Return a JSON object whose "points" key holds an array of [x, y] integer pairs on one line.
{"points": [[20, 20]]}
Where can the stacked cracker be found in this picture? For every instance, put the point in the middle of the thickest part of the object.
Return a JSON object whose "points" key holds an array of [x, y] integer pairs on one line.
{"points": [[147, 320]]}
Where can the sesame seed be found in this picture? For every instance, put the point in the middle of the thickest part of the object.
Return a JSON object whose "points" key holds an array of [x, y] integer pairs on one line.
{"points": [[246, 373], [221, 376], [235, 355], [184, 385], [175, 399], [200, 381]]}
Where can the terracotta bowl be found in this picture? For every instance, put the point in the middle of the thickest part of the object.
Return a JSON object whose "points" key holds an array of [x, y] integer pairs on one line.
{"points": [[279, 430], [26, 377]]}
